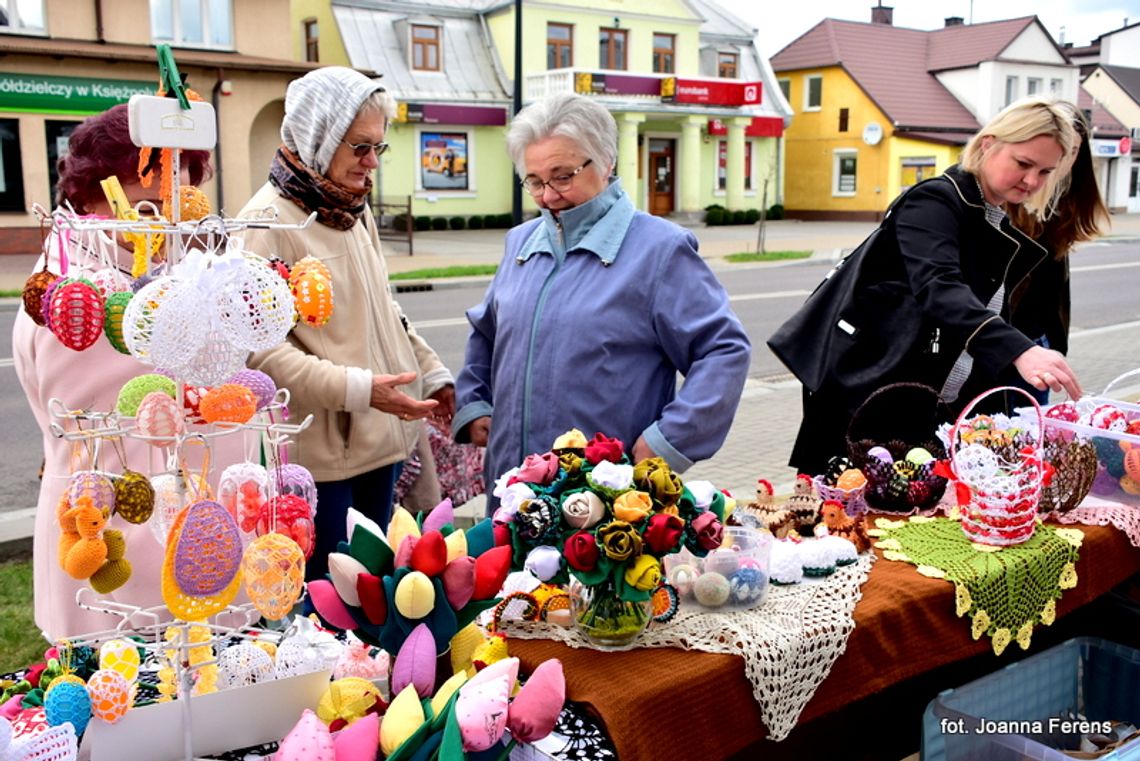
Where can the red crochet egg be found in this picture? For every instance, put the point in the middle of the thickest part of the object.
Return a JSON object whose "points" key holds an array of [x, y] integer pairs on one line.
{"points": [[1066, 411], [76, 314], [290, 515], [192, 401], [1108, 417]]}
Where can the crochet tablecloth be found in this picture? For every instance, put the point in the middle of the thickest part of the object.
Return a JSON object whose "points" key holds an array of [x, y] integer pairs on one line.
{"points": [[1005, 591], [788, 644]]}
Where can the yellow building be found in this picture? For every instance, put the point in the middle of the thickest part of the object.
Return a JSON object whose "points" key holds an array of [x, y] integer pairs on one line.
{"points": [[63, 60]]}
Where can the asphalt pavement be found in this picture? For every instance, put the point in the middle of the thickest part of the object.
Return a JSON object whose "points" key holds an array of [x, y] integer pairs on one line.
{"points": [[769, 412]]}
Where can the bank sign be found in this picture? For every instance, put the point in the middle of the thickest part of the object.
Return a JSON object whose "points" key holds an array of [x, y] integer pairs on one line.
{"points": [[66, 95], [710, 92]]}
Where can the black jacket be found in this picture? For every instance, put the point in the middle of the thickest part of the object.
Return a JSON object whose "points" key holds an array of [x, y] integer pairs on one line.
{"points": [[926, 285]]}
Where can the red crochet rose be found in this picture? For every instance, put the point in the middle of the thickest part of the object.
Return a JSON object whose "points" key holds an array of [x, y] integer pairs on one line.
{"points": [[581, 551], [663, 532], [602, 447]]}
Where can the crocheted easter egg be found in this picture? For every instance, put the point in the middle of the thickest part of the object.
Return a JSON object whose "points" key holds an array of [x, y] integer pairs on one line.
{"points": [[228, 403], [193, 203], [310, 264], [243, 491], [113, 310], [711, 589], [313, 297], [905, 468], [850, 479], [292, 516], [215, 360], [255, 306], [76, 311], [415, 596], [35, 289], [120, 655], [975, 464], [208, 552], [259, 383], [45, 303], [880, 453], [159, 418], [110, 695], [836, 466], [172, 494], [292, 478], [919, 456], [747, 587], [1066, 411], [109, 280], [68, 701], [1108, 417], [133, 391], [142, 313], [192, 401], [89, 483], [243, 664], [273, 569], [134, 497]]}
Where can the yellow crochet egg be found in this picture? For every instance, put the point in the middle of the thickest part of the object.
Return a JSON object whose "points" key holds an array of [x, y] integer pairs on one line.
{"points": [[122, 656], [110, 695], [273, 568]]}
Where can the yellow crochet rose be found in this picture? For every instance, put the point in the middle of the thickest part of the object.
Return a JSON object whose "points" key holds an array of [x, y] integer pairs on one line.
{"points": [[981, 623], [962, 600], [1049, 613], [1068, 578], [1001, 640], [632, 506], [1024, 634], [644, 574]]}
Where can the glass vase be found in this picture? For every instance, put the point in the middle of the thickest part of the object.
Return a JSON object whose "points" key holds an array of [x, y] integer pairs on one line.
{"points": [[605, 619]]}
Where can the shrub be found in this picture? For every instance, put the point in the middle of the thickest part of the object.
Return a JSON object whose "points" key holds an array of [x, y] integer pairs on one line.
{"points": [[739, 217], [776, 211], [712, 206], [490, 221], [475, 222], [457, 223], [439, 223], [400, 223], [506, 221], [714, 217], [751, 216], [423, 223]]}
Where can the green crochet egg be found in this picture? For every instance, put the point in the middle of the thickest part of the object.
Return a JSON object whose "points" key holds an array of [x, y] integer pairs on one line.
{"points": [[113, 310], [135, 389]]}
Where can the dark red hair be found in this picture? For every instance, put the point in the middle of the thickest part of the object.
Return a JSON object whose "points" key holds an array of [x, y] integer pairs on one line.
{"points": [[100, 147]]}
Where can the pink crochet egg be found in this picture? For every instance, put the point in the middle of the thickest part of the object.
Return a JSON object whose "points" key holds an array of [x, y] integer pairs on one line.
{"points": [[77, 314], [243, 491], [159, 419], [208, 551]]}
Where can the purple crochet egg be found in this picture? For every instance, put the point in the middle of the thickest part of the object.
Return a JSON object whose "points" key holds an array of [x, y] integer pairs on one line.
{"points": [[295, 479], [208, 553], [259, 383]]}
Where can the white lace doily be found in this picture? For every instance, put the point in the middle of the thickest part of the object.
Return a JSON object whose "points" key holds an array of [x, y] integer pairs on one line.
{"points": [[1094, 511], [789, 643]]}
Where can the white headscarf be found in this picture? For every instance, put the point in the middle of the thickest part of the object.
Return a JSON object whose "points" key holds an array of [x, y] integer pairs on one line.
{"points": [[319, 109]]}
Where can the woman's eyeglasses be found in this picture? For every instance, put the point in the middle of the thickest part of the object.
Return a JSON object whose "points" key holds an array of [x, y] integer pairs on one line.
{"points": [[360, 150], [559, 184]]}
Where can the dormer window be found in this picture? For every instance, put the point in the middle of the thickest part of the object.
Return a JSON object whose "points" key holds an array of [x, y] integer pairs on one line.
{"points": [[726, 65], [426, 47]]}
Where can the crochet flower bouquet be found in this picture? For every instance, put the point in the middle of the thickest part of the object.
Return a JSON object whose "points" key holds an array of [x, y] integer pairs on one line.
{"points": [[583, 511]]}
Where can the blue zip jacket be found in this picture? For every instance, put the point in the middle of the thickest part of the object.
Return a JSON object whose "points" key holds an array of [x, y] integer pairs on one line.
{"points": [[586, 324]]}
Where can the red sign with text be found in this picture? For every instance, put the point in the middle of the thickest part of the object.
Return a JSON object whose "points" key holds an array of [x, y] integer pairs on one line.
{"points": [[710, 91], [761, 126]]}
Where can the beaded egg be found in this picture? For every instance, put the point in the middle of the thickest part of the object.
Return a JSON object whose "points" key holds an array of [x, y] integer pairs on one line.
{"points": [[76, 310], [310, 264], [121, 655], [313, 297], [159, 419], [110, 695], [228, 403], [273, 572], [134, 497]]}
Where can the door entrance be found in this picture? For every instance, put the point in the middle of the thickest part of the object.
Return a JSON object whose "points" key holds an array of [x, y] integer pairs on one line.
{"points": [[662, 162]]}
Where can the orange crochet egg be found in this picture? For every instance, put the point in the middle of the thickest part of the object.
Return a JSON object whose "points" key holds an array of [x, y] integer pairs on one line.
{"points": [[851, 478], [34, 290], [309, 264], [1132, 463], [159, 418], [312, 297], [110, 695], [228, 403], [273, 569]]}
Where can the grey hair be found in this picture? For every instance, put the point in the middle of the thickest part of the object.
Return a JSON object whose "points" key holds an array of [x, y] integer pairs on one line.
{"points": [[380, 101], [580, 119]]}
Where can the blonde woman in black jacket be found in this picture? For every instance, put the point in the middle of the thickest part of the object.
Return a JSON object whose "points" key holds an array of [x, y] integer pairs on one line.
{"points": [[931, 303]]}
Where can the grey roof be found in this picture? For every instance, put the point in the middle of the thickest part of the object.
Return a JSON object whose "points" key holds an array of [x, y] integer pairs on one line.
{"points": [[718, 22], [1128, 79], [375, 39]]}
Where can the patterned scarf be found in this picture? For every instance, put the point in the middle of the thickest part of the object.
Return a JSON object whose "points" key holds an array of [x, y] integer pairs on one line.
{"points": [[336, 207]]}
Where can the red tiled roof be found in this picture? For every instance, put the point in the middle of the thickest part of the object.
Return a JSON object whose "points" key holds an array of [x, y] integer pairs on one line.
{"points": [[889, 63], [1104, 124], [957, 47]]}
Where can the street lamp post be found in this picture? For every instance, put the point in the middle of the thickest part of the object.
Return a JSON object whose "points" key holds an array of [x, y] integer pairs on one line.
{"points": [[516, 187]]}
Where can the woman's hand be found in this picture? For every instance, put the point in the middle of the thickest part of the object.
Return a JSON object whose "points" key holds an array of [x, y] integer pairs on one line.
{"points": [[480, 430], [1047, 369], [641, 450], [386, 397], [441, 416]]}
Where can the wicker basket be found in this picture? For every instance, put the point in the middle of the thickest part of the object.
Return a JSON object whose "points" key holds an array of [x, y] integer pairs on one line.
{"points": [[898, 417]]}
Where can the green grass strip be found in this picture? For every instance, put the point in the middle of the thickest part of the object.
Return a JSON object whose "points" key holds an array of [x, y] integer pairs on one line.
{"points": [[21, 643], [767, 256], [465, 270]]}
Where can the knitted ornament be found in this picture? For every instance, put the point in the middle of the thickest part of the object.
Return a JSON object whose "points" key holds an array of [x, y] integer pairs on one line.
{"points": [[243, 664], [228, 403], [215, 360], [290, 515], [191, 402], [88, 553], [134, 497], [35, 289], [133, 391], [313, 294], [93, 485], [142, 312], [259, 383], [243, 491], [273, 568], [310, 264], [255, 306], [76, 314], [68, 702], [121, 655], [178, 331], [200, 579], [114, 308], [116, 569], [193, 204], [110, 695], [291, 478], [159, 418]]}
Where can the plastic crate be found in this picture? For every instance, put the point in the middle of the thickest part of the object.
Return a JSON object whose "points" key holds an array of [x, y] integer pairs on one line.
{"points": [[1090, 677]]}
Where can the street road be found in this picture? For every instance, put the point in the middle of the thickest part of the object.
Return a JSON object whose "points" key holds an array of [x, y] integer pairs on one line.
{"points": [[1105, 279]]}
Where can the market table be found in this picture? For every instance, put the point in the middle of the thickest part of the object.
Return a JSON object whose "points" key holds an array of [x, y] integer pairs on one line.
{"points": [[661, 703]]}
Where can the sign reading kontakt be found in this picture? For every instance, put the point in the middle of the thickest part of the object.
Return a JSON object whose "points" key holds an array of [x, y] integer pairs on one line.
{"points": [[66, 95]]}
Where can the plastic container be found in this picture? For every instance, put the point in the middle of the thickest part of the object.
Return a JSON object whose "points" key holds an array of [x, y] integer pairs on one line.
{"points": [[1085, 677], [734, 576]]}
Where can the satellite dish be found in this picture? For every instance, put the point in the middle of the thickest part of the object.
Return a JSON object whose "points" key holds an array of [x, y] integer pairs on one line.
{"points": [[872, 133]]}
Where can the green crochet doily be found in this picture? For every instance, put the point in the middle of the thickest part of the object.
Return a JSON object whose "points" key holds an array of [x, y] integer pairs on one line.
{"points": [[1005, 591]]}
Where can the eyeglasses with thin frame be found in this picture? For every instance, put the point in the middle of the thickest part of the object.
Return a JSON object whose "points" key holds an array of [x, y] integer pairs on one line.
{"points": [[559, 184], [360, 150]]}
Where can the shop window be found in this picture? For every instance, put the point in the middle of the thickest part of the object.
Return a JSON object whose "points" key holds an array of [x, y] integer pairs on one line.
{"points": [[425, 47], [664, 52], [193, 23], [727, 65], [559, 46], [445, 161], [722, 165], [22, 16], [813, 92], [312, 32], [1010, 90], [612, 49], [844, 118], [843, 173], [915, 169], [11, 170], [57, 134]]}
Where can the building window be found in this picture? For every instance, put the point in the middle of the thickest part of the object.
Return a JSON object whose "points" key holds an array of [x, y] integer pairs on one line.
{"points": [[425, 48], [813, 92], [915, 169], [22, 16], [1032, 85], [612, 46], [843, 173], [58, 134], [1134, 183], [1010, 90], [559, 46], [726, 65], [843, 119], [445, 161], [312, 39], [722, 165], [1056, 87], [664, 50], [785, 88], [193, 23], [11, 171]]}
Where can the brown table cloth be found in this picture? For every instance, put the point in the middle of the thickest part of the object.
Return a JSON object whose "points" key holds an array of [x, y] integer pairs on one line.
{"points": [[664, 703]]}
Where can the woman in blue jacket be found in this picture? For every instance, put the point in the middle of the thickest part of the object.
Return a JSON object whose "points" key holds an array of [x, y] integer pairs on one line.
{"points": [[595, 309]]}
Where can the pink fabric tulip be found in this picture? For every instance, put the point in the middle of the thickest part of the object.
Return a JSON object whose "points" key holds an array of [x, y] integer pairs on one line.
{"points": [[534, 711], [415, 663], [308, 740]]}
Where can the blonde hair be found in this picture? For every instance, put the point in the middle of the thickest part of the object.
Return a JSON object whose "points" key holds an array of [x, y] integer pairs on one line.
{"points": [[1021, 121]]}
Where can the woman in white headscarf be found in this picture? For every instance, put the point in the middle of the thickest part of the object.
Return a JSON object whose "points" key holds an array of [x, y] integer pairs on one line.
{"points": [[366, 377]]}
